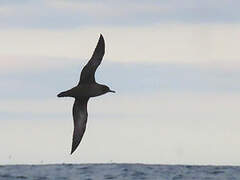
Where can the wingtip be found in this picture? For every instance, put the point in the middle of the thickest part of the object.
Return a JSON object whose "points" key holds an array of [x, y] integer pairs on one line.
{"points": [[101, 37], [72, 151], [74, 147], [100, 48]]}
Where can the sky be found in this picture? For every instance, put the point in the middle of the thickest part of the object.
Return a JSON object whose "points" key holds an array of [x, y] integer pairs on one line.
{"points": [[173, 64]]}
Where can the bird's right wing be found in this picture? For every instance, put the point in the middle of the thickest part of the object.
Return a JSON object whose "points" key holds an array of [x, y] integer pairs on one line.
{"points": [[80, 121], [88, 72]]}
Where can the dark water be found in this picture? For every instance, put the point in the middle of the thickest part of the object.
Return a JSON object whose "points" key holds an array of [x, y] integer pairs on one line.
{"points": [[118, 172]]}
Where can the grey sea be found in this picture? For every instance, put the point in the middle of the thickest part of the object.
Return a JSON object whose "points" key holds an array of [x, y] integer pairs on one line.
{"points": [[118, 172]]}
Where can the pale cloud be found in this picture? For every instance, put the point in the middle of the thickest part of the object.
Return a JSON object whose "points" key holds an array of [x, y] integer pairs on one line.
{"points": [[173, 128], [46, 82], [110, 8], [32, 106], [226, 104], [177, 97], [212, 45], [14, 64], [72, 14], [6, 11]]}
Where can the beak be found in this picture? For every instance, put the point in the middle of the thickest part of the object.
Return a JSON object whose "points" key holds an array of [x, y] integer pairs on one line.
{"points": [[111, 91]]}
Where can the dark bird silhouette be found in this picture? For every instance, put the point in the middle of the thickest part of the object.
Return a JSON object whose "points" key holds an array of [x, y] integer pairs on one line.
{"points": [[86, 88]]}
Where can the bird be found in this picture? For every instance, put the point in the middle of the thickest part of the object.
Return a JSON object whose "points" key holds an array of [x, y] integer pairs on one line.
{"points": [[86, 88]]}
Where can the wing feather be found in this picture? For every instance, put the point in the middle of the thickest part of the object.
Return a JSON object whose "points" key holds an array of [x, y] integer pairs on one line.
{"points": [[88, 72], [80, 121]]}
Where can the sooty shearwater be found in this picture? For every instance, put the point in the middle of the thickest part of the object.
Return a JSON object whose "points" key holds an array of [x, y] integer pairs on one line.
{"points": [[86, 88]]}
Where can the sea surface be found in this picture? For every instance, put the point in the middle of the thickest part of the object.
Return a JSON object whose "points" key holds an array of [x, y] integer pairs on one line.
{"points": [[118, 172]]}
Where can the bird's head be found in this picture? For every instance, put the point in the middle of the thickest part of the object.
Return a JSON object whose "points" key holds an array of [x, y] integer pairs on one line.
{"points": [[106, 89]]}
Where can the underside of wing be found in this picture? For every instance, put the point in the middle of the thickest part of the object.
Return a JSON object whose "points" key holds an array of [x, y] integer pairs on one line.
{"points": [[80, 121], [88, 72]]}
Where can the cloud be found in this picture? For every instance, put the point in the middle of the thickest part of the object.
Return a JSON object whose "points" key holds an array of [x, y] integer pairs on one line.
{"points": [[174, 65], [126, 79], [17, 64], [105, 10], [175, 128], [211, 44], [73, 14]]}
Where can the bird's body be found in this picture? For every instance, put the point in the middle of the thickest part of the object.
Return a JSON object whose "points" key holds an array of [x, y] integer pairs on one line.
{"points": [[86, 88]]}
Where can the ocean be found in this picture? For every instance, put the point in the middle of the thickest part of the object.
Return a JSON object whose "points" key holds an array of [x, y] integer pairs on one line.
{"points": [[118, 172]]}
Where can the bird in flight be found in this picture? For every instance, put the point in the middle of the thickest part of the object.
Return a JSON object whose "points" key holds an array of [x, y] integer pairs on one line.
{"points": [[86, 88]]}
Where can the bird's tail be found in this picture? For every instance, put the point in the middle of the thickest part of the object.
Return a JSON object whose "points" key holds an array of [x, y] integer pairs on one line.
{"points": [[63, 94]]}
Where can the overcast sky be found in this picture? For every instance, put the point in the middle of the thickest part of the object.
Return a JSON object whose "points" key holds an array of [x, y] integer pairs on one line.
{"points": [[174, 65]]}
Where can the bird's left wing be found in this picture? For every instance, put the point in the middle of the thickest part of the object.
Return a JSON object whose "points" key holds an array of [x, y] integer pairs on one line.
{"points": [[80, 121], [88, 72]]}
